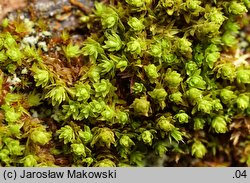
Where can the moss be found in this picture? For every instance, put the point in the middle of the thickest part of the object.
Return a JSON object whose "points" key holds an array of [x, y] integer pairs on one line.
{"points": [[143, 79]]}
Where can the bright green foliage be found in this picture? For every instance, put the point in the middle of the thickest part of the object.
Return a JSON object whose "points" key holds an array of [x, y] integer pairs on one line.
{"points": [[15, 129], [155, 49], [183, 46], [125, 141], [191, 67], [217, 106], [113, 43], [83, 91], [57, 94], [136, 3], [173, 78], [14, 146], [102, 88], [131, 80], [226, 71], [96, 107], [92, 49], [212, 54], [9, 41], [227, 95], [204, 106], [3, 56], [147, 137], [40, 136], [243, 76], [196, 81], [141, 106], [198, 149], [67, 134], [229, 39], [136, 45], [107, 66], [34, 99], [136, 24], [11, 115], [103, 136], [121, 62], [236, 8], [86, 135], [4, 156], [243, 101], [199, 123], [29, 161], [194, 95], [165, 124], [15, 55], [5, 22], [72, 109], [78, 149], [161, 148], [71, 51], [219, 124], [215, 15], [122, 117], [94, 74], [176, 97], [108, 114], [138, 88], [158, 94], [176, 135], [137, 158], [151, 71], [105, 163], [182, 117], [109, 17], [42, 77]]}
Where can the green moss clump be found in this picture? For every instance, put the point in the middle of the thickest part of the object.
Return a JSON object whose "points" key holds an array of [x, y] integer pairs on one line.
{"points": [[145, 78]]}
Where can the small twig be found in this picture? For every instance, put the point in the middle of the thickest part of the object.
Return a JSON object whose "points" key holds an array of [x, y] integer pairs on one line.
{"points": [[241, 59], [84, 8]]}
